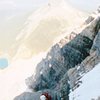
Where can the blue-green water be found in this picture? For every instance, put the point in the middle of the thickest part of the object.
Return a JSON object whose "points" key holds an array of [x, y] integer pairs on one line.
{"points": [[3, 63]]}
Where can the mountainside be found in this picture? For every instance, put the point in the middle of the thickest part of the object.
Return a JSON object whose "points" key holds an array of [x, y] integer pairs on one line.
{"points": [[44, 25], [12, 78], [89, 88], [66, 63]]}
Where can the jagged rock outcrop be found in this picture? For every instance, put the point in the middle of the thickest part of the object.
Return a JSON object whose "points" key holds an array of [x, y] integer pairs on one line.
{"points": [[53, 72], [88, 63]]}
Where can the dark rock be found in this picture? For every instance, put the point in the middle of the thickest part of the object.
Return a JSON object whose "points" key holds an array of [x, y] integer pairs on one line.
{"points": [[90, 19]]}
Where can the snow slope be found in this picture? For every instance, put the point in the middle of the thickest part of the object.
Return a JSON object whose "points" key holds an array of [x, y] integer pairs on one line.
{"points": [[90, 87], [45, 24], [12, 79]]}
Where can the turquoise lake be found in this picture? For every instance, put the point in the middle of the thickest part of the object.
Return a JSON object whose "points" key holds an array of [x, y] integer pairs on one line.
{"points": [[3, 63]]}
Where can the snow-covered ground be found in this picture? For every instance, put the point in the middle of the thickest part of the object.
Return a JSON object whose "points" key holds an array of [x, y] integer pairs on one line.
{"points": [[90, 87], [12, 79], [45, 24]]}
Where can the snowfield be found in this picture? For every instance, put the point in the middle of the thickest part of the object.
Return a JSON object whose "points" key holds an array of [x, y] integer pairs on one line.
{"points": [[12, 79], [90, 87]]}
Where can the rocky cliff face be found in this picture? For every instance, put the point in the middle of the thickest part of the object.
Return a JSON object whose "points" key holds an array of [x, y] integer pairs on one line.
{"points": [[64, 63]]}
